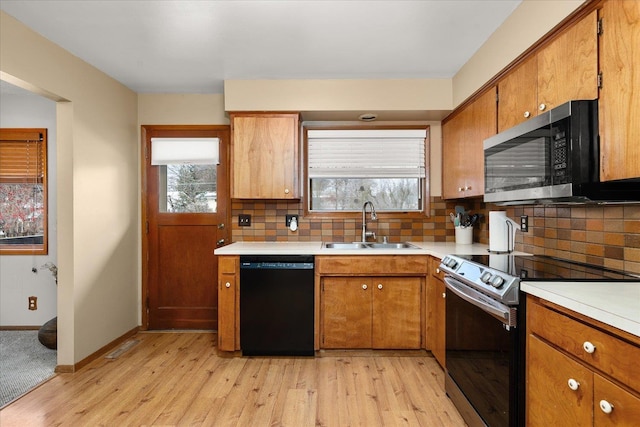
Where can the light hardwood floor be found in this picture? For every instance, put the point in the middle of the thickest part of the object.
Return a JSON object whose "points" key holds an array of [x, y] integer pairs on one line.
{"points": [[179, 379]]}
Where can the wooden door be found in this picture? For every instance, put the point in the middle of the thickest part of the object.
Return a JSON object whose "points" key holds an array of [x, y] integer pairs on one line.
{"points": [[265, 156], [396, 312], [619, 106], [346, 312], [568, 67], [517, 95], [550, 401], [179, 267]]}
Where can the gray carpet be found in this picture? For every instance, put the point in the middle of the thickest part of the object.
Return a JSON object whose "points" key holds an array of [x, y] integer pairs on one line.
{"points": [[24, 363]]}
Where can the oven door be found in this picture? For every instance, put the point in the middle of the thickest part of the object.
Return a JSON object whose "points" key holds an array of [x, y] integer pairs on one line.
{"points": [[482, 357]]}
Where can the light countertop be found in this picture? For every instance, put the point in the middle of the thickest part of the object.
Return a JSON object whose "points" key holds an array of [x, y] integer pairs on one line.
{"points": [[437, 249], [614, 303]]}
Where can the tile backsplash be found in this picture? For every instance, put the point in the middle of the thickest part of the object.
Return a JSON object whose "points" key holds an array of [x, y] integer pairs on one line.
{"points": [[607, 235]]}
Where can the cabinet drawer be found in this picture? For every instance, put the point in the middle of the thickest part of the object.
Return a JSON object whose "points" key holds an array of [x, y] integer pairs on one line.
{"points": [[435, 268], [392, 265], [227, 265], [613, 356]]}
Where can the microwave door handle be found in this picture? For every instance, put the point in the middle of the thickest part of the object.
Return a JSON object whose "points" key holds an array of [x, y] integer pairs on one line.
{"points": [[469, 295]]}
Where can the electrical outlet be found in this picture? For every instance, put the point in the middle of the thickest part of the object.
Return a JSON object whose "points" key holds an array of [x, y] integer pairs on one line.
{"points": [[244, 220], [524, 223], [33, 303], [288, 218]]}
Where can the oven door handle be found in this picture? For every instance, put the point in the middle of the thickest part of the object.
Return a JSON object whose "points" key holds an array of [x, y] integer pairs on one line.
{"points": [[500, 311]]}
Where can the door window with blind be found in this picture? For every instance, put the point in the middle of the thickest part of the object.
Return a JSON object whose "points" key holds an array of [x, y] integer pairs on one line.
{"points": [[23, 191], [347, 167]]}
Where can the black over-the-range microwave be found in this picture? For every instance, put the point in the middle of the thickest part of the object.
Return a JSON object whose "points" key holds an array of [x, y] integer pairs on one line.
{"points": [[552, 158]]}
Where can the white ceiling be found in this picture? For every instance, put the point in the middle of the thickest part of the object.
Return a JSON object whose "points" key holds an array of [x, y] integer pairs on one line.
{"points": [[182, 46]]}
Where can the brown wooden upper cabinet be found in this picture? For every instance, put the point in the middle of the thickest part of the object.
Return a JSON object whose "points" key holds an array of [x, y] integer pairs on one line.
{"points": [[564, 69], [462, 147], [619, 103], [264, 155]]}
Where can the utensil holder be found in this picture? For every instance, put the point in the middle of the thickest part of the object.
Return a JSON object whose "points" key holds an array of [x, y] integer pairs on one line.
{"points": [[464, 235]]}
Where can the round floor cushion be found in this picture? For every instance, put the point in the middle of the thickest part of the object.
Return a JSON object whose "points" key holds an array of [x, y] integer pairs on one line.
{"points": [[48, 334]]}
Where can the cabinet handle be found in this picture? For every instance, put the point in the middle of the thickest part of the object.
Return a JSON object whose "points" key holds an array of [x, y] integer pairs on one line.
{"points": [[606, 407], [438, 270], [286, 191], [444, 295], [227, 285], [467, 188], [573, 384], [588, 347], [379, 285], [364, 286], [542, 107], [460, 189], [527, 114]]}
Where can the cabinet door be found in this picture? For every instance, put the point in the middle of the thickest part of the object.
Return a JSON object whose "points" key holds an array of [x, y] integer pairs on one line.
{"points": [[396, 312], [568, 66], [484, 116], [265, 156], [613, 405], [463, 147], [227, 289], [619, 106], [440, 332], [550, 400], [518, 95], [452, 152], [346, 312]]}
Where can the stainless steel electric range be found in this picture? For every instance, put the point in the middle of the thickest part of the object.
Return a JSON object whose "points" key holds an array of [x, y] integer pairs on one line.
{"points": [[485, 333]]}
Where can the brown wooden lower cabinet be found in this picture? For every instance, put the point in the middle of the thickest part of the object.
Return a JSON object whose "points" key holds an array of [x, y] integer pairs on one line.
{"points": [[228, 301], [436, 311], [373, 302], [579, 372], [371, 312]]}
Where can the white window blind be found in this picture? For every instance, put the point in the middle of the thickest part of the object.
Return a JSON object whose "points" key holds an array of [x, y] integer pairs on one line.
{"points": [[366, 153], [197, 151]]}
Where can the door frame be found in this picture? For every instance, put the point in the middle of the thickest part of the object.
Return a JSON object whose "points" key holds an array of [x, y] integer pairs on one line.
{"points": [[223, 193]]}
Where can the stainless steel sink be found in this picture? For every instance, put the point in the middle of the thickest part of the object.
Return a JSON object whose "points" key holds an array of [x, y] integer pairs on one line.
{"points": [[361, 245], [354, 245]]}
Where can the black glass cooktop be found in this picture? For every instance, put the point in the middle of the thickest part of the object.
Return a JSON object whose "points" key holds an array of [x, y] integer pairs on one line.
{"points": [[541, 267]]}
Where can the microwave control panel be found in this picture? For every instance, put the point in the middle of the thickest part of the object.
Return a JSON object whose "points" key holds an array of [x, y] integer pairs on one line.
{"points": [[560, 158]]}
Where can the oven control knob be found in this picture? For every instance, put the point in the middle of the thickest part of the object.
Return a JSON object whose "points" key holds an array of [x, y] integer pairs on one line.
{"points": [[485, 277], [497, 281], [451, 263]]}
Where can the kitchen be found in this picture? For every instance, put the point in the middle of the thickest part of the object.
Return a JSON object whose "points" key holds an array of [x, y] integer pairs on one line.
{"points": [[576, 229]]}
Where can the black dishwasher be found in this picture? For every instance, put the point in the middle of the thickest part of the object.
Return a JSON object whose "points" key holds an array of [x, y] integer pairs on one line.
{"points": [[277, 305]]}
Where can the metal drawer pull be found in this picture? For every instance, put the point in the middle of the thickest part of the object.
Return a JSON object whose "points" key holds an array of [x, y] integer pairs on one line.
{"points": [[438, 270], [573, 384], [606, 407], [588, 347], [364, 287], [227, 285], [527, 114], [379, 285]]}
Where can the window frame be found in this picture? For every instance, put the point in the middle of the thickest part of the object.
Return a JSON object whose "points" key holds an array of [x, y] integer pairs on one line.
{"points": [[27, 135], [382, 215]]}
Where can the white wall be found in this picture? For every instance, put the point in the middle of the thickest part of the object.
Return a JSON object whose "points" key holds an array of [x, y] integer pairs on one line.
{"points": [[17, 281], [98, 168]]}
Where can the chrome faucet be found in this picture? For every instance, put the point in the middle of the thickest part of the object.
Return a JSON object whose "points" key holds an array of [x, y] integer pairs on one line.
{"points": [[374, 217]]}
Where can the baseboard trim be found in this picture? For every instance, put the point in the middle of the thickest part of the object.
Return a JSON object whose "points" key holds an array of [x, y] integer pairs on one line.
{"points": [[20, 328], [68, 369]]}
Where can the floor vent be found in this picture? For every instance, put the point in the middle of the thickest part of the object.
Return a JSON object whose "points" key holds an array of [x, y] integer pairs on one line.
{"points": [[120, 350]]}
